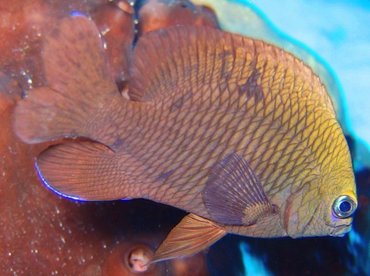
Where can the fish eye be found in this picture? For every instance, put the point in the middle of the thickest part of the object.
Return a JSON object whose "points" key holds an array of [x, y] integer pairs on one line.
{"points": [[344, 206]]}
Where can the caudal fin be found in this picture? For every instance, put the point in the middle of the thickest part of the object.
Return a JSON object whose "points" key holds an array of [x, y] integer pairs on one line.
{"points": [[91, 171], [81, 98]]}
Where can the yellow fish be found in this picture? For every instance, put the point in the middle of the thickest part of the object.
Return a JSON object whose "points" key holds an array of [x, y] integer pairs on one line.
{"points": [[237, 132]]}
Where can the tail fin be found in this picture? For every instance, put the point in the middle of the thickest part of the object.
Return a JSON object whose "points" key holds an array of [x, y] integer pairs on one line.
{"points": [[81, 98], [91, 171]]}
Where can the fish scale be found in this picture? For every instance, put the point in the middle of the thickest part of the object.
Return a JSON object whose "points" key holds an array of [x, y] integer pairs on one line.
{"points": [[164, 156]]}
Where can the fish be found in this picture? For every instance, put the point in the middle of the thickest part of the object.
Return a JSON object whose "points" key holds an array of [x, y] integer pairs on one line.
{"points": [[237, 132]]}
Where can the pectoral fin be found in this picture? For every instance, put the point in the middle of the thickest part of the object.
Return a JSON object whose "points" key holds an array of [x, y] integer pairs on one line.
{"points": [[233, 194], [190, 236]]}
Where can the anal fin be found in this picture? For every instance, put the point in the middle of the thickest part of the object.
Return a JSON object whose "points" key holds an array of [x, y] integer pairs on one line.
{"points": [[90, 171], [190, 236]]}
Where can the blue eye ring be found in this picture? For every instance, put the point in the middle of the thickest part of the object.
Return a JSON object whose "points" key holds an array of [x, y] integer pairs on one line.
{"points": [[344, 206]]}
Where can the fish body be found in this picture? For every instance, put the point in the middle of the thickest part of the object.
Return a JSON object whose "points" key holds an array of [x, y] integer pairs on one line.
{"points": [[238, 133]]}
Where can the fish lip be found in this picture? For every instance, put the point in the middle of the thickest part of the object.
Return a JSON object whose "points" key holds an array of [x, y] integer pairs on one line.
{"points": [[339, 230]]}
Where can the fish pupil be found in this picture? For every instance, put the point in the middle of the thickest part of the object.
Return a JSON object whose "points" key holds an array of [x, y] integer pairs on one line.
{"points": [[345, 206]]}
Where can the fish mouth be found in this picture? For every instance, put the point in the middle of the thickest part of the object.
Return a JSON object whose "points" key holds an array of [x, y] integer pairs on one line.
{"points": [[339, 230]]}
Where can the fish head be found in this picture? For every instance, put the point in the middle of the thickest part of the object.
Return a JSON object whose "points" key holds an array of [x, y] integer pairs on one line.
{"points": [[316, 212], [323, 204]]}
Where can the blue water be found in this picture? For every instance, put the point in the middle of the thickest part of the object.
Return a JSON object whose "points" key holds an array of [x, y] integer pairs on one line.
{"points": [[252, 265]]}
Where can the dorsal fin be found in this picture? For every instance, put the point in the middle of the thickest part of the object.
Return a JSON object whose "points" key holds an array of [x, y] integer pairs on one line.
{"points": [[183, 58]]}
